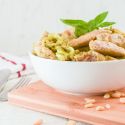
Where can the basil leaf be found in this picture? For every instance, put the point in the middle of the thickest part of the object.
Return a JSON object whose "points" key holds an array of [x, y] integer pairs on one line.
{"points": [[91, 25], [80, 31], [106, 24], [82, 27], [101, 17], [75, 22]]}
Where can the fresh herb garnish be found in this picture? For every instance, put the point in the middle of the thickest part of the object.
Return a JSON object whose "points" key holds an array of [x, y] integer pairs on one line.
{"points": [[82, 27]]}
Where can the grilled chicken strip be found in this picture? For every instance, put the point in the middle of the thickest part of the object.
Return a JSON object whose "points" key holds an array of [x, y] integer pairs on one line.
{"points": [[43, 51], [68, 34], [107, 48], [85, 39], [115, 38], [103, 37], [114, 30], [90, 56], [118, 39]]}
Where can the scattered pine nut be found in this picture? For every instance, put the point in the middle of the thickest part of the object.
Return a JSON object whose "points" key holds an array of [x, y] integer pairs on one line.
{"points": [[71, 122], [87, 100], [116, 94], [122, 94], [100, 108], [38, 122], [122, 100], [107, 96], [108, 106], [89, 105]]}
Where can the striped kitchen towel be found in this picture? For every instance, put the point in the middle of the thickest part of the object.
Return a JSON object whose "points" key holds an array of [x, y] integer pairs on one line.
{"points": [[19, 66]]}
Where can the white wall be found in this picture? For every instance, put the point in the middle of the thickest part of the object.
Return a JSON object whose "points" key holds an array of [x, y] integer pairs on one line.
{"points": [[22, 21]]}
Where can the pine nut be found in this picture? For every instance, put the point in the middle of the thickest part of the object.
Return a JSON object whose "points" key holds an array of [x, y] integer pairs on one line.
{"points": [[122, 100], [71, 122], [100, 108], [90, 105], [38, 122], [122, 94], [116, 94], [107, 96], [87, 100], [108, 106]]}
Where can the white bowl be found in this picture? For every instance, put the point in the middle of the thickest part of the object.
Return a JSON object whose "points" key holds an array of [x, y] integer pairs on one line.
{"points": [[81, 77]]}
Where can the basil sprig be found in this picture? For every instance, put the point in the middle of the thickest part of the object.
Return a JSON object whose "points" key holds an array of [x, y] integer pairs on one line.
{"points": [[82, 27]]}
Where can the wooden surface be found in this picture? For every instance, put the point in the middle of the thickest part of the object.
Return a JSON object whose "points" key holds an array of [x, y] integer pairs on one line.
{"points": [[40, 97]]}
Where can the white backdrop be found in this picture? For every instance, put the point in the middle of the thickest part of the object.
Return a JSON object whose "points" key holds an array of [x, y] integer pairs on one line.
{"points": [[22, 21]]}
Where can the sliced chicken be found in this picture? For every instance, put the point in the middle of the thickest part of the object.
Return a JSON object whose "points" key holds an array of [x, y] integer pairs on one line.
{"points": [[107, 48], [117, 39], [43, 51], [103, 37], [37, 48], [90, 56], [67, 35], [85, 39], [114, 30], [48, 53]]}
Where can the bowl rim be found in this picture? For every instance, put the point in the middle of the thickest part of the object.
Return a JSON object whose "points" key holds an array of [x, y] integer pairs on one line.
{"points": [[77, 62]]}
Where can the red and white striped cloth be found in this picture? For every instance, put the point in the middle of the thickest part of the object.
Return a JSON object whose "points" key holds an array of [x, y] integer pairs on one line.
{"points": [[19, 66]]}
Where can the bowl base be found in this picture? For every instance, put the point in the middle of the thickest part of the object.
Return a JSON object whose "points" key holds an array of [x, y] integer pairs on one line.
{"points": [[78, 94]]}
